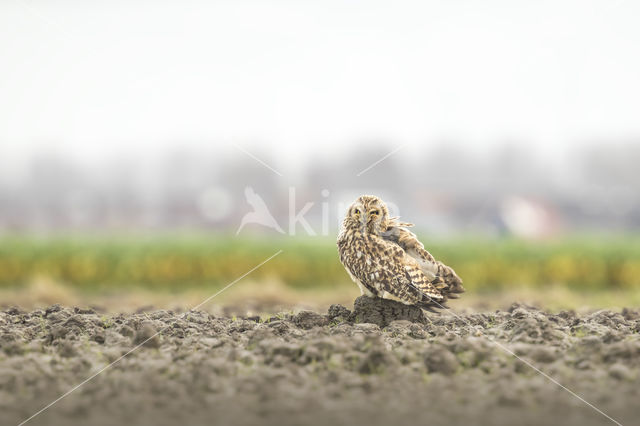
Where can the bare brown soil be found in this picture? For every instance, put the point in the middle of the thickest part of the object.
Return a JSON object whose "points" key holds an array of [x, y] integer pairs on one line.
{"points": [[381, 363]]}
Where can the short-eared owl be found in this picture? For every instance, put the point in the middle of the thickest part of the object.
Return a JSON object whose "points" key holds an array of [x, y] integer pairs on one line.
{"points": [[386, 260]]}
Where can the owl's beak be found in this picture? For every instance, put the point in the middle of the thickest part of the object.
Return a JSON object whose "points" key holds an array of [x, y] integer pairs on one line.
{"points": [[363, 219]]}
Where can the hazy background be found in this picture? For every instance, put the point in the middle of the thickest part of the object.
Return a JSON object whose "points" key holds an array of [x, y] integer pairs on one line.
{"points": [[508, 132]]}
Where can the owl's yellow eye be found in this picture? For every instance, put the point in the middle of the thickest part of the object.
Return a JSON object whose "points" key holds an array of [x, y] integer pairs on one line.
{"points": [[374, 213], [356, 212]]}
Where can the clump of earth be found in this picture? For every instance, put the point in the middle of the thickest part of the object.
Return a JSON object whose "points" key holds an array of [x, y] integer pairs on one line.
{"points": [[378, 363]]}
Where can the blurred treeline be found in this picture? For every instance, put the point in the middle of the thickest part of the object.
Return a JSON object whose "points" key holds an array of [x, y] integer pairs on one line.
{"points": [[445, 189], [175, 262]]}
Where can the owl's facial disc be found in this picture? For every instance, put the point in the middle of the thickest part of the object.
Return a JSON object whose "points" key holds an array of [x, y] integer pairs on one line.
{"points": [[369, 213]]}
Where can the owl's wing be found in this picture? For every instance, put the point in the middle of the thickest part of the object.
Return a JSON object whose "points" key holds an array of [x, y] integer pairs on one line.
{"points": [[442, 276], [392, 274]]}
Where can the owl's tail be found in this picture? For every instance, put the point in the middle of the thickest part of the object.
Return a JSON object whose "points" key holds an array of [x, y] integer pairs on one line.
{"points": [[448, 282]]}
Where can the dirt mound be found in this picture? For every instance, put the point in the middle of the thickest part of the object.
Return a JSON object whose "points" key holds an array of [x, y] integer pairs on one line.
{"points": [[382, 312], [379, 363]]}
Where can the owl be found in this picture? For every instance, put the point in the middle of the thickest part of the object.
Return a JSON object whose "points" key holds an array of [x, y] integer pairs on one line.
{"points": [[386, 260]]}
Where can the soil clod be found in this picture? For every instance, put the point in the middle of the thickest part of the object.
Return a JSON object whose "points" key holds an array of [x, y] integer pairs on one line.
{"points": [[382, 311]]}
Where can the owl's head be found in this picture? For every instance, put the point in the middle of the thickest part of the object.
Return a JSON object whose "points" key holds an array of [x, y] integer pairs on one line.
{"points": [[369, 214]]}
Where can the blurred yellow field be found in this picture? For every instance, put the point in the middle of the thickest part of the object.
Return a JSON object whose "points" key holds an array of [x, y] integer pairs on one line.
{"points": [[308, 271]]}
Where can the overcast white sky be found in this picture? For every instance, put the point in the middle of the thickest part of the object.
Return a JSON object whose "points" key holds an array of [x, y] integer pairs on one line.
{"points": [[98, 78]]}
